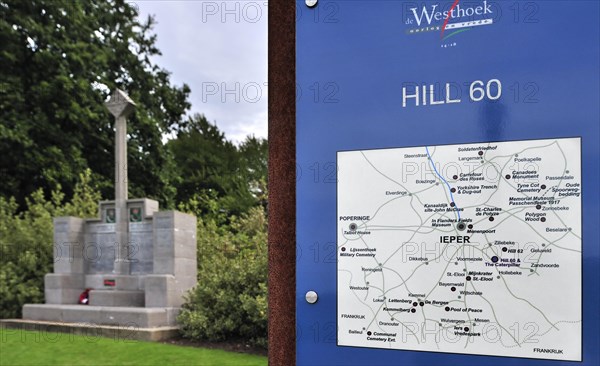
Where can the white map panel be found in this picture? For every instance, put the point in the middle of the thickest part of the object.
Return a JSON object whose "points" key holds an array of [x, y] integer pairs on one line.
{"points": [[472, 249]]}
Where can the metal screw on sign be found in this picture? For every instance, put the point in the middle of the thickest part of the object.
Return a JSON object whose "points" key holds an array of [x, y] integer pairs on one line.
{"points": [[311, 297]]}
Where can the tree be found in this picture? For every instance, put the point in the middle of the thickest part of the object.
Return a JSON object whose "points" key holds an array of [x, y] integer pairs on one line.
{"points": [[59, 60], [211, 167], [254, 154]]}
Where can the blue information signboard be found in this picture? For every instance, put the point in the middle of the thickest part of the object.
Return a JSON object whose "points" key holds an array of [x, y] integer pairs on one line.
{"points": [[448, 182]]}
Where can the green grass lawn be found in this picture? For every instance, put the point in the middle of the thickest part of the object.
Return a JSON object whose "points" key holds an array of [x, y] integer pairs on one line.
{"points": [[19, 347]]}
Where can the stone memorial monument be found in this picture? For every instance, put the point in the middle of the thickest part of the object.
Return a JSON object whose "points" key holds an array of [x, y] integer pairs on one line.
{"points": [[136, 261]]}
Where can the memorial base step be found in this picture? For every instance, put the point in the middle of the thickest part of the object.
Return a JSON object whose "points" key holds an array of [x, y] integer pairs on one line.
{"points": [[91, 331], [122, 316]]}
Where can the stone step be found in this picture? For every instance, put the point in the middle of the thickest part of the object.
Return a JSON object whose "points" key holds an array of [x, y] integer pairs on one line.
{"points": [[117, 298], [92, 331], [131, 317]]}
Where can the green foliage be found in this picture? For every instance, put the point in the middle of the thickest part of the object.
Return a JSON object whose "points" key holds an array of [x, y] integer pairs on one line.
{"points": [[254, 154], [58, 61], [230, 300], [26, 245], [85, 198], [210, 165]]}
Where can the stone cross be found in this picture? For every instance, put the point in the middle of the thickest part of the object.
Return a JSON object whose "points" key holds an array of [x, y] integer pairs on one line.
{"points": [[120, 105]]}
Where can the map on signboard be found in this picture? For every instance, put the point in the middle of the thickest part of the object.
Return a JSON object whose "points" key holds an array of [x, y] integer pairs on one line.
{"points": [[472, 249]]}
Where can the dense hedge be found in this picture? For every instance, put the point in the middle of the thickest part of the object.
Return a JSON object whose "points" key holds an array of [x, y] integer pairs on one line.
{"points": [[230, 300], [26, 242]]}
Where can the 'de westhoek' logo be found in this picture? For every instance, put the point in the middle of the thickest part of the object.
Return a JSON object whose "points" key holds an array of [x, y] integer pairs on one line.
{"points": [[450, 20]]}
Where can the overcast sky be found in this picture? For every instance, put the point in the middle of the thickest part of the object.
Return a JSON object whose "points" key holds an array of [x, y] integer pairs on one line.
{"points": [[218, 48]]}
